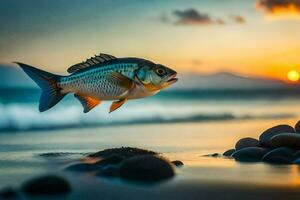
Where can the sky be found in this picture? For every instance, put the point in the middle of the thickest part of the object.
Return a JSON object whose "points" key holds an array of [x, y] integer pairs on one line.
{"points": [[248, 37]]}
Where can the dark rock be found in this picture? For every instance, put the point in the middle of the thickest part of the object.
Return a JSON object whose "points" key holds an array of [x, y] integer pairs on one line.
{"points": [[213, 155], [297, 161], [177, 163], [8, 193], [46, 185], [125, 152], [265, 137], [146, 169], [110, 171], [246, 142], [112, 160], [229, 152], [280, 155], [250, 154], [83, 167], [58, 154], [291, 140], [297, 127]]}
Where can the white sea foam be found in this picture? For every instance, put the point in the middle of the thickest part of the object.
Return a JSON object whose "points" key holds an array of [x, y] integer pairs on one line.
{"points": [[19, 117]]}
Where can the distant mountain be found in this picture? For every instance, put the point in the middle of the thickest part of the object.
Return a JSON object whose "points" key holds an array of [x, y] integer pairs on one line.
{"points": [[13, 76], [225, 80]]}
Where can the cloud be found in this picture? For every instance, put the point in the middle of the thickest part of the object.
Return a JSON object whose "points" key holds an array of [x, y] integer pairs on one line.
{"points": [[193, 17], [273, 7], [238, 19]]}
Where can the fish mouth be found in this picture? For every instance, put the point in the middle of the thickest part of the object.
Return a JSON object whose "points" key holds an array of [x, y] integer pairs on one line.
{"points": [[172, 79]]}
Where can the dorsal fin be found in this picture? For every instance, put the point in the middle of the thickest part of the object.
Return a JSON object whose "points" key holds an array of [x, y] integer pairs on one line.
{"points": [[91, 62]]}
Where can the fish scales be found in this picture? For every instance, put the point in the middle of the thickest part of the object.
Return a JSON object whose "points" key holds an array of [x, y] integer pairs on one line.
{"points": [[94, 82]]}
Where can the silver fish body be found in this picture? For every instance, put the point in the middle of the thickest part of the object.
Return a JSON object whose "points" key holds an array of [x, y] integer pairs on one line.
{"points": [[102, 77]]}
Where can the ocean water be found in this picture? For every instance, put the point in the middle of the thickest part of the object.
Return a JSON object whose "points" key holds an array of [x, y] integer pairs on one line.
{"points": [[183, 125], [19, 109]]}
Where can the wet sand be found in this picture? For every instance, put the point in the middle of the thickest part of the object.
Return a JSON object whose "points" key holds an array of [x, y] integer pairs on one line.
{"points": [[200, 177]]}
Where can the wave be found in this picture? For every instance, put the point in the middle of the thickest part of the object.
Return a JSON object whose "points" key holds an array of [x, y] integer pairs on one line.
{"points": [[25, 117]]}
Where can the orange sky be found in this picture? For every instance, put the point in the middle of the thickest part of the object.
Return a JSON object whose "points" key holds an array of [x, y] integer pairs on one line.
{"points": [[266, 44]]}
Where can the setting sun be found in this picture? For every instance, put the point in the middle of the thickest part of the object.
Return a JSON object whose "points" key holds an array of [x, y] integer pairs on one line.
{"points": [[293, 75]]}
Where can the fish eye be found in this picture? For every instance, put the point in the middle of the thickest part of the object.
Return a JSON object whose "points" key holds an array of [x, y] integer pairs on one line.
{"points": [[160, 72]]}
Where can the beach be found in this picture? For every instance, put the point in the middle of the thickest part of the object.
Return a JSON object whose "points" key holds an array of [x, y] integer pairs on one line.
{"points": [[200, 177]]}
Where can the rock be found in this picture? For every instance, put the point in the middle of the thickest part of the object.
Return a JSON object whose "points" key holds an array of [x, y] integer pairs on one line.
{"points": [[213, 155], [146, 169], [110, 171], [291, 140], [8, 193], [125, 152], [177, 163], [280, 155], [265, 137], [112, 160], [297, 161], [82, 167], [229, 152], [250, 154], [297, 127], [246, 142], [46, 185]]}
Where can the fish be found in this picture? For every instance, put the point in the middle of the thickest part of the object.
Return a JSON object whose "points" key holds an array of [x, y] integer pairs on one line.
{"points": [[102, 78]]}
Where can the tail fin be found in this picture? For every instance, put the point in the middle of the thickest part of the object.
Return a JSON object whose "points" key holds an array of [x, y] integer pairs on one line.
{"points": [[51, 94]]}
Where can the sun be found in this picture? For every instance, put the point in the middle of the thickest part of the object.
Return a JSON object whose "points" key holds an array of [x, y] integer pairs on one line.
{"points": [[293, 75]]}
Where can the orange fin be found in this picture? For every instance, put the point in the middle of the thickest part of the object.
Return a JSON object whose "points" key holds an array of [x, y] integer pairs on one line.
{"points": [[117, 104], [87, 102], [121, 80]]}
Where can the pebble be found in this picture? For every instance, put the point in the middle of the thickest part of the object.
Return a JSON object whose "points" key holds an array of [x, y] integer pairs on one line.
{"points": [[46, 185], [291, 140], [250, 154], [146, 169], [246, 142], [229, 152], [269, 133], [82, 167], [280, 155]]}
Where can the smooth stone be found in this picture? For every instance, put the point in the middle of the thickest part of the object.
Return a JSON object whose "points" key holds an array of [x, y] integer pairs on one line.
{"points": [[110, 171], [291, 140], [297, 161], [229, 152], [177, 163], [112, 160], [250, 154], [8, 193], [280, 155], [266, 136], [213, 155], [82, 167], [146, 169], [125, 152], [297, 127], [46, 185], [246, 142]]}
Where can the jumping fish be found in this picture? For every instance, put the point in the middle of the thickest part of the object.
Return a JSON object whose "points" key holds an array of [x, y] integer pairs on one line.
{"points": [[102, 77]]}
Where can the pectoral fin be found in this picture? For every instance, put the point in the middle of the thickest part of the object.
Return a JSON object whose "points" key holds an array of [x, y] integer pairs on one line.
{"points": [[120, 79], [87, 102], [117, 104]]}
